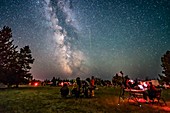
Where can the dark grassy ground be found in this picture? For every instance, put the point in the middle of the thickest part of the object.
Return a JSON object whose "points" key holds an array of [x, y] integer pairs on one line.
{"points": [[48, 100]]}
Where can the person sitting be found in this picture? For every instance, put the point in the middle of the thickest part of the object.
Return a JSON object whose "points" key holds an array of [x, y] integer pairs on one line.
{"points": [[85, 88], [76, 90], [64, 90]]}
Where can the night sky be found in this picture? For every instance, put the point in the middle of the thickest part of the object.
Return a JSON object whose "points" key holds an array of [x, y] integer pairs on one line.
{"points": [[71, 38]]}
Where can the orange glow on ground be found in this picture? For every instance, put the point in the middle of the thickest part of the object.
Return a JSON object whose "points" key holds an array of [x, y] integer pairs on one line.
{"points": [[139, 100], [155, 106], [165, 108]]}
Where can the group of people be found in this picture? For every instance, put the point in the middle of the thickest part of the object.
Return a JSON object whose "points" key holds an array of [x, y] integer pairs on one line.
{"points": [[149, 92], [80, 88]]}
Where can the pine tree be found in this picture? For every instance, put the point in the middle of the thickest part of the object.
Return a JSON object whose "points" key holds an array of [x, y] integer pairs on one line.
{"points": [[166, 65], [8, 54], [24, 63], [14, 66]]}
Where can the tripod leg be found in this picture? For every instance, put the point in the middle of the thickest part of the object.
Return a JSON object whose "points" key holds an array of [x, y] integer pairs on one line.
{"points": [[121, 96]]}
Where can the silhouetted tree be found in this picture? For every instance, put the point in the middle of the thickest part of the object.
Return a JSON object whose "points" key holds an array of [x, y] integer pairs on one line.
{"points": [[14, 65], [161, 78], [166, 65], [8, 55], [24, 65]]}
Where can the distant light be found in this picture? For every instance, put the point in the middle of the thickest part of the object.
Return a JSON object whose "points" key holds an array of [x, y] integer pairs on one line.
{"points": [[36, 84], [62, 83]]}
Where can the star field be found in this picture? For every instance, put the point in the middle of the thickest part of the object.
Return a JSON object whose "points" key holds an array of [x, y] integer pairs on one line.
{"points": [[71, 38]]}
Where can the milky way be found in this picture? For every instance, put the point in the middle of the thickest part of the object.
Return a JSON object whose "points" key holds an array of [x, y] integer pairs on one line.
{"points": [[70, 38], [68, 57]]}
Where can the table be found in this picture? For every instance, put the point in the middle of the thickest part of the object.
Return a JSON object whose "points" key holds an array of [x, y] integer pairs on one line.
{"points": [[132, 94]]}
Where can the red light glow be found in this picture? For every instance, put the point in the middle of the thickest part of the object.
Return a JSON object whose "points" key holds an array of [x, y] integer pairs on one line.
{"points": [[35, 84]]}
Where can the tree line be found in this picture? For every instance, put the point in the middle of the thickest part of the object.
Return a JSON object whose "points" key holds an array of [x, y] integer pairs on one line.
{"points": [[15, 64]]}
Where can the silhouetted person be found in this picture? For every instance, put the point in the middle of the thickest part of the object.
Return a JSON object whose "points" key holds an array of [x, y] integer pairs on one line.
{"points": [[64, 91], [78, 81], [121, 73], [53, 81], [87, 87], [125, 84], [135, 83], [151, 91], [76, 87]]}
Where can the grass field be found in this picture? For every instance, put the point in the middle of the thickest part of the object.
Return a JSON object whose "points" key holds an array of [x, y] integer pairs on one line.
{"points": [[48, 100]]}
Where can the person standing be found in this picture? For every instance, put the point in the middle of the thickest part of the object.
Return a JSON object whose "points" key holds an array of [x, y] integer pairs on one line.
{"points": [[53, 81], [92, 82], [151, 91]]}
